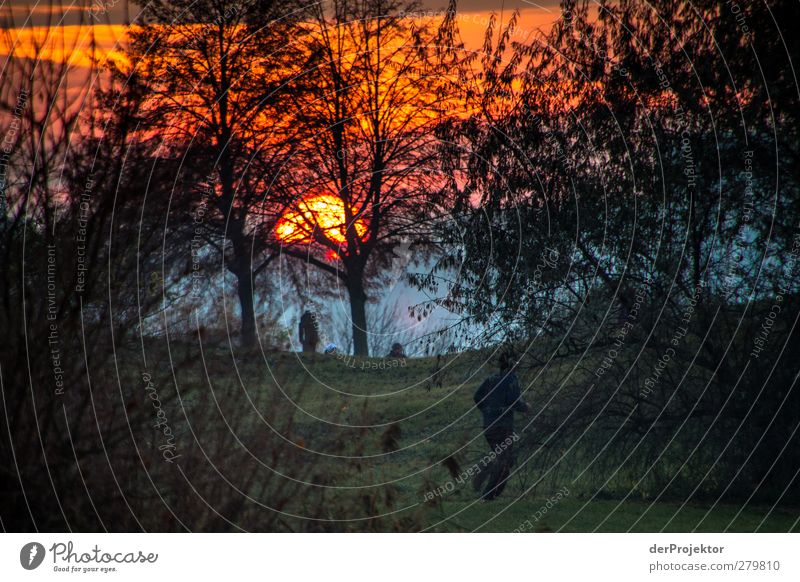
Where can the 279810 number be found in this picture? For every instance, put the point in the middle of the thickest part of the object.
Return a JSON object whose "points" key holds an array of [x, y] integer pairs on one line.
{"points": [[758, 565]]}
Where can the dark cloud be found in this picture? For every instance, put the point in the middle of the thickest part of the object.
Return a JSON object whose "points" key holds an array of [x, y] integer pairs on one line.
{"points": [[495, 5], [66, 12]]}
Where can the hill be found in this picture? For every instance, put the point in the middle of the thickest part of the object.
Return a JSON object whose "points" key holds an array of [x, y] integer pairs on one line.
{"points": [[285, 441]]}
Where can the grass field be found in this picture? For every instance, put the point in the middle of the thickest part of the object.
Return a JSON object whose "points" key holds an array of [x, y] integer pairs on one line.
{"points": [[406, 430], [585, 515]]}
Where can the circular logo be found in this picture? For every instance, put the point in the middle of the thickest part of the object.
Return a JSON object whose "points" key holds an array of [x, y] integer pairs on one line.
{"points": [[31, 555]]}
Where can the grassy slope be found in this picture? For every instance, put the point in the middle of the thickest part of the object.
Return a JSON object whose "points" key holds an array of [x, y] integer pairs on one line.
{"points": [[433, 413]]}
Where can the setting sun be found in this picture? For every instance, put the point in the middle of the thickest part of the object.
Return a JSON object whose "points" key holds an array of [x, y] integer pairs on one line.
{"points": [[325, 212]]}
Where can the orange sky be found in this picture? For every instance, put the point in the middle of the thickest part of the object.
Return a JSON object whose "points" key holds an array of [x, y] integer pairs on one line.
{"points": [[22, 13], [77, 41], [102, 38]]}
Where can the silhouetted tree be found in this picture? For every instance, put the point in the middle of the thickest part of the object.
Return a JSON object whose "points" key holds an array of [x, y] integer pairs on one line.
{"points": [[73, 236], [645, 171], [381, 84], [219, 74]]}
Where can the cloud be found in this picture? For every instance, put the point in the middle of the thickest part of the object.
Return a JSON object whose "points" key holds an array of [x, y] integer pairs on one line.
{"points": [[24, 13], [496, 5], [38, 13]]}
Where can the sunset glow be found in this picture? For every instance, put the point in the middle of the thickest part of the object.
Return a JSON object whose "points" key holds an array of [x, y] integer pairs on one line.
{"points": [[323, 213], [78, 45]]}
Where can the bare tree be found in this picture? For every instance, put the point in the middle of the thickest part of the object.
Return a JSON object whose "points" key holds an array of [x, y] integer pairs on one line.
{"points": [[217, 73], [381, 85]]}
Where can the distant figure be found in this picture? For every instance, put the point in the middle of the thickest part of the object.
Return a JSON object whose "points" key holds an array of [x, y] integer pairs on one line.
{"points": [[497, 399], [330, 348], [396, 351], [309, 335]]}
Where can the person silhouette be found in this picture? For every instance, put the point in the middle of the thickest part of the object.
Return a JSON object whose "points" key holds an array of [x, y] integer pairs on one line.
{"points": [[396, 351], [309, 334], [497, 398]]}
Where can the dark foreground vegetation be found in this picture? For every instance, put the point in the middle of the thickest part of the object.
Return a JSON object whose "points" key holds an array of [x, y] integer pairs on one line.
{"points": [[289, 442]]}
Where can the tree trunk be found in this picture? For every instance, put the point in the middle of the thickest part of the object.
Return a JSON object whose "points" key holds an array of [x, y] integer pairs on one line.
{"points": [[358, 314], [245, 287], [242, 268]]}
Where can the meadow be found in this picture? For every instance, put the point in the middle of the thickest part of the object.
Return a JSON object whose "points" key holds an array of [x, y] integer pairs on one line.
{"points": [[328, 443]]}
